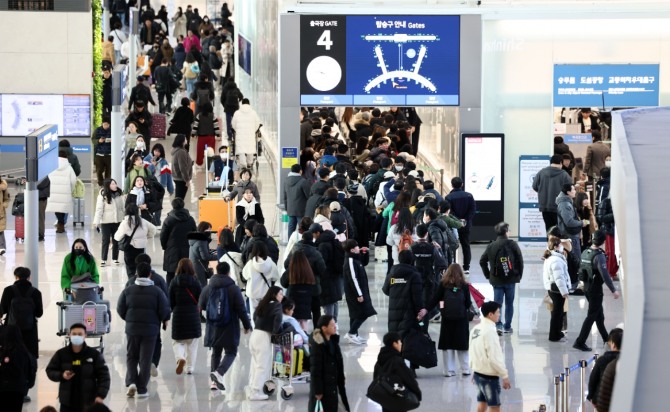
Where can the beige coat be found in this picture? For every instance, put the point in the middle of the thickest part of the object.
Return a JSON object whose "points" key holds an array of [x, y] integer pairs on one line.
{"points": [[108, 51], [4, 203], [595, 158]]}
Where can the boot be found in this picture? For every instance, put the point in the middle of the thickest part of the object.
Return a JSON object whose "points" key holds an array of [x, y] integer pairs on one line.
{"points": [[60, 228]]}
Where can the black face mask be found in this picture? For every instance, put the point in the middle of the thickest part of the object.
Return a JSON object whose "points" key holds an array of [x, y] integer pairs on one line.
{"points": [[79, 252]]}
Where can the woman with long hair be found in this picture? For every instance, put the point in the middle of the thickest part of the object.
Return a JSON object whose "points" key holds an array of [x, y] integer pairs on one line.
{"points": [[228, 251], [182, 120], [248, 207], [138, 230], [453, 296], [301, 287], [585, 212], [76, 263], [191, 70], [260, 273], [362, 151], [17, 371], [143, 197], [404, 225], [268, 322], [347, 122], [180, 22], [160, 167], [135, 168], [109, 211], [556, 283], [184, 294], [391, 214], [322, 217]]}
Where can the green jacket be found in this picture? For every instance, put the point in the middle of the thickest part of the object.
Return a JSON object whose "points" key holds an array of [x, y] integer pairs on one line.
{"points": [[452, 221], [388, 212], [81, 266], [130, 177]]}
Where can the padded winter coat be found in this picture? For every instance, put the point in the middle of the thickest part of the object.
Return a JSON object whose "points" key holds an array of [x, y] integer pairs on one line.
{"points": [[62, 180], [404, 288], [184, 305], [176, 227]]}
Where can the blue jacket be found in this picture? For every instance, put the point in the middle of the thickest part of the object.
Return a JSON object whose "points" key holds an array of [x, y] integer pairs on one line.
{"points": [[463, 205]]}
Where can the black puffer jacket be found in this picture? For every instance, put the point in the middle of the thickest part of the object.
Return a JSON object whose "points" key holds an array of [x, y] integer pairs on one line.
{"points": [[315, 194], [174, 240], [356, 284], [94, 376], [333, 256], [313, 257], [200, 255], [437, 233], [273, 249], [144, 307], [326, 370], [405, 291], [391, 363], [184, 294]]}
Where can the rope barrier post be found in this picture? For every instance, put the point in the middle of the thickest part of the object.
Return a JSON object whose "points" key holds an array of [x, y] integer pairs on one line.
{"points": [[557, 390], [582, 398]]}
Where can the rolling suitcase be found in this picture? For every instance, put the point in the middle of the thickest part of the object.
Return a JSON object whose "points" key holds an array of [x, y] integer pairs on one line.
{"points": [[78, 212], [19, 228], [158, 126], [217, 211]]}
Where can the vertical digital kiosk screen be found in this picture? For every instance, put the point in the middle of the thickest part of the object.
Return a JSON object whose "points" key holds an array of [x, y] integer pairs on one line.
{"points": [[482, 171]]}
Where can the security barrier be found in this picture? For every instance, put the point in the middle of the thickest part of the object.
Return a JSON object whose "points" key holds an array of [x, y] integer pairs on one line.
{"points": [[562, 385]]}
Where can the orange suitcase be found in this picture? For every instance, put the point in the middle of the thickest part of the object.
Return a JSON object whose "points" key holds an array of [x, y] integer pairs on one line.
{"points": [[217, 212]]}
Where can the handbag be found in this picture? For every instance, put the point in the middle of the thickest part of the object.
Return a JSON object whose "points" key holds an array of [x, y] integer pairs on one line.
{"points": [[419, 348], [125, 241], [390, 395], [209, 272]]}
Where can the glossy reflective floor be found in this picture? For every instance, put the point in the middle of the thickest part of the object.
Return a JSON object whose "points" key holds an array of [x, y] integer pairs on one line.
{"points": [[531, 359]]}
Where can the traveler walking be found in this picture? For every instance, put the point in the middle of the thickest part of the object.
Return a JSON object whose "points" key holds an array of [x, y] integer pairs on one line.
{"points": [[296, 193], [109, 212], [17, 370], [548, 183], [174, 237], [391, 364], [326, 367], [463, 206], [138, 230], [21, 305], [184, 293], [556, 283], [357, 290], [570, 225]]}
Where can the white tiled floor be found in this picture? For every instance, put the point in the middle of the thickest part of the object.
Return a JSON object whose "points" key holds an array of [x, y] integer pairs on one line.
{"points": [[531, 358]]}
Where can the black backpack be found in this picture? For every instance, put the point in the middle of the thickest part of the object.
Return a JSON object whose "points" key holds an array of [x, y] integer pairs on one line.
{"points": [[454, 304], [22, 309], [586, 272], [218, 307], [504, 263], [143, 93], [202, 97], [18, 205]]}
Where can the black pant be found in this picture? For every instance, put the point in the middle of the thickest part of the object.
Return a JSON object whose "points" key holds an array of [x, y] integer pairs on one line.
{"points": [[12, 401], [103, 168], [389, 258], [316, 309], [464, 238], [550, 219], [168, 277], [556, 322], [129, 256], [108, 230], [180, 189], [156, 358], [139, 351], [161, 106], [415, 139], [594, 314]]}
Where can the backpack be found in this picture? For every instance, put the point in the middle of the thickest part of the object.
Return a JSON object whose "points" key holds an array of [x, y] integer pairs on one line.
{"points": [[218, 308], [79, 190], [406, 241], [586, 272], [202, 97], [504, 264], [452, 239], [454, 304], [22, 309], [18, 205], [143, 94]]}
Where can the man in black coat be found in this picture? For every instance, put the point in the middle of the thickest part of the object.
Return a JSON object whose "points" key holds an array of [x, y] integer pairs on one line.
{"points": [[404, 288], [143, 307], [296, 192], [174, 241], [81, 371], [24, 288], [326, 367], [224, 339], [429, 262], [463, 206], [331, 280]]}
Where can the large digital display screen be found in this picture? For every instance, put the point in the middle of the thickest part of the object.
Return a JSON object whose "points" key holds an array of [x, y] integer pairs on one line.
{"points": [[244, 53], [380, 60], [21, 114]]}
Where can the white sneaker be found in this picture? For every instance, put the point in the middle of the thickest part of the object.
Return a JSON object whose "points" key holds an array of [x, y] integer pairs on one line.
{"points": [[132, 390], [213, 386], [102, 263], [352, 339], [154, 370], [362, 339], [217, 379], [143, 395], [2, 252], [116, 262], [259, 397], [450, 374]]}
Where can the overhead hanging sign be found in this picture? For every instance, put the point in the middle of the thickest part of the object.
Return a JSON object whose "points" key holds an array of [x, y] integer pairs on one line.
{"points": [[606, 85]]}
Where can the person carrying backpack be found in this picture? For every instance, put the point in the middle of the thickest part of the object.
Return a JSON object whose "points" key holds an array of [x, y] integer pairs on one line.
{"points": [[21, 305], [203, 93], [593, 272], [502, 264]]}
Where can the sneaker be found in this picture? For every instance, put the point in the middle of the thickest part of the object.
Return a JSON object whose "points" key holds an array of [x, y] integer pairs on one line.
{"points": [[582, 347], [352, 339], [508, 330], [361, 339], [180, 366], [26, 399], [2, 252], [259, 397], [143, 395], [449, 374], [132, 390], [500, 332], [436, 319], [466, 272], [116, 262], [213, 386], [466, 372], [189, 370], [102, 263], [154, 370], [217, 379]]}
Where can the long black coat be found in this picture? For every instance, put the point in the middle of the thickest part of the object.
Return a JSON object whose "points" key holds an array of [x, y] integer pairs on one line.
{"points": [[185, 313], [332, 285], [94, 374], [30, 337], [454, 333], [404, 288], [174, 240], [228, 336], [326, 371], [354, 270]]}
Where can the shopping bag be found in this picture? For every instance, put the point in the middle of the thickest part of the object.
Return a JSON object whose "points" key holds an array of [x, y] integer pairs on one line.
{"points": [[419, 348], [318, 407]]}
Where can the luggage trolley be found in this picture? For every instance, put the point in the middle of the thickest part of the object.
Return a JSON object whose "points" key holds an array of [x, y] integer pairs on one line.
{"points": [[286, 366], [84, 304]]}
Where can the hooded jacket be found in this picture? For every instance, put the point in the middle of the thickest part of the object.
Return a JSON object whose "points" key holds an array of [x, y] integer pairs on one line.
{"points": [[256, 286], [326, 370], [437, 233], [62, 180], [109, 212], [315, 194], [391, 363], [568, 222], [548, 184], [296, 193], [404, 288], [184, 294], [144, 307], [198, 252], [174, 237], [229, 335]]}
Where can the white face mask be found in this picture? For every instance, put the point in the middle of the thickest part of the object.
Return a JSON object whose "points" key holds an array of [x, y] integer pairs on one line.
{"points": [[608, 163], [560, 248], [140, 145], [77, 340], [398, 167]]}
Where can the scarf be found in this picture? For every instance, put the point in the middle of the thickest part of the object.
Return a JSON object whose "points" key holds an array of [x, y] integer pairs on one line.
{"points": [[139, 192], [249, 207]]}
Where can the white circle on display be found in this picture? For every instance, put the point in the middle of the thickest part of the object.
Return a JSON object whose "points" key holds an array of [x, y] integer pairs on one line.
{"points": [[411, 53], [324, 73]]}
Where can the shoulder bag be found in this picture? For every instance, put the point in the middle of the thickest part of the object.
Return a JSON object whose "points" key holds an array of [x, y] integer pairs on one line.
{"points": [[125, 242]]}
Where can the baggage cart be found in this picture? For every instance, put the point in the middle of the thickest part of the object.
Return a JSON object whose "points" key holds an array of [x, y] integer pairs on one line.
{"points": [[217, 212], [286, 361], [96, 317]]}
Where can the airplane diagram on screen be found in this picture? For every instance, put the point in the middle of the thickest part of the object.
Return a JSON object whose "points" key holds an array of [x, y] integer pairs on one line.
{"points": [[400, 77]]}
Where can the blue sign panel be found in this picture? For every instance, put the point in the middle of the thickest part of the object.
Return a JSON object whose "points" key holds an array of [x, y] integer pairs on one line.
{"points": [[47, 151], [606, 85], [578, 138]]}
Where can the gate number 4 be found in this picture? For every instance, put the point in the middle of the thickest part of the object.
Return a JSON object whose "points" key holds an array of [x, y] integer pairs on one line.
{"points": [[324, 40]]}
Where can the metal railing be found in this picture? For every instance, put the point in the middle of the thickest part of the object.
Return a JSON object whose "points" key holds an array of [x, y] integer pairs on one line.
{"points": [[562, 385]]}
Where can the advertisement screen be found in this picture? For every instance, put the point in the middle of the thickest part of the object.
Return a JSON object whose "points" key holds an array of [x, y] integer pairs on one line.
{"points": [[380, 60], [24, 113], [244, 51], [483, 168]]}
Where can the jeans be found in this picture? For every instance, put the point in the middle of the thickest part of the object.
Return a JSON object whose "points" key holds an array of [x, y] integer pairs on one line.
{"points": [[117, 56], [332, 309], [180, 189], [219, 365], [190, 85], [449, 360], [61, 217], [488, 389], [556, 322], [464, 237], [505, 292], [577, 255], [139, 351], [550, 219], [108, 230], [594, 314], [229, 126], [293, 223]]}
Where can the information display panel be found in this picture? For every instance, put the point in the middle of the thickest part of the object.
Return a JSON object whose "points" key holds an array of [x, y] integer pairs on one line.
{"points": [[380, 60], [21, 114]]}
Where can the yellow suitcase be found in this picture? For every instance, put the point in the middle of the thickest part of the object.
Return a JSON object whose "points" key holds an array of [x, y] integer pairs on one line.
{"points": [[217, 212]]}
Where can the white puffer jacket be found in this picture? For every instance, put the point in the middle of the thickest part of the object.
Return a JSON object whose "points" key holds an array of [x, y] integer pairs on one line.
{"points": [[109, 212], [555, 270], [256, 286], [245, 122], [62, 181], [144, 230]]}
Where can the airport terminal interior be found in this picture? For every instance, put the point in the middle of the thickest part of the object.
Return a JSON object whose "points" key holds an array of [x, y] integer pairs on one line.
{"points": [[506, 89]]}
